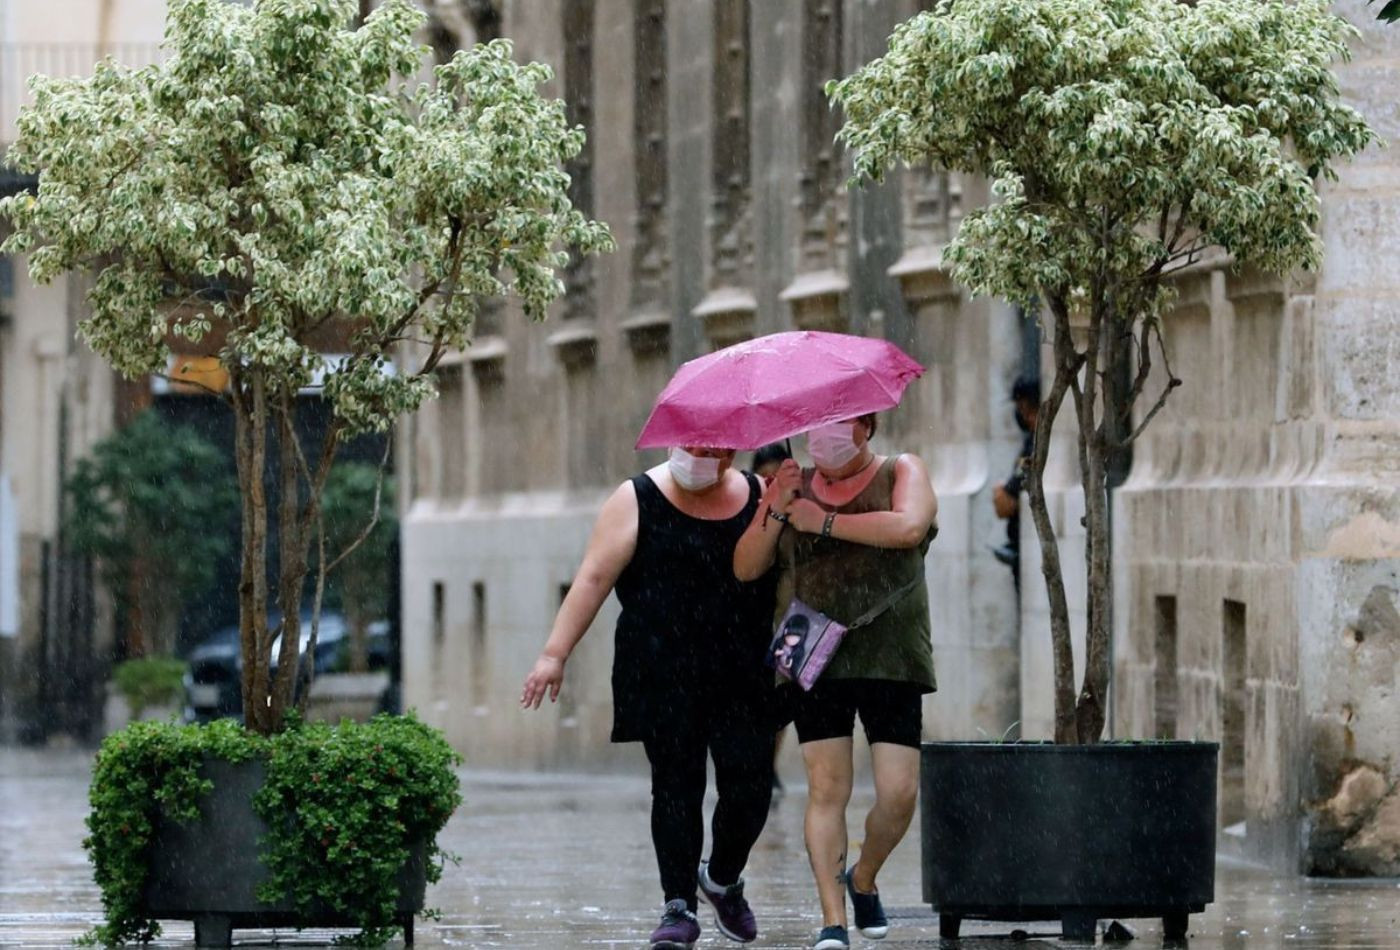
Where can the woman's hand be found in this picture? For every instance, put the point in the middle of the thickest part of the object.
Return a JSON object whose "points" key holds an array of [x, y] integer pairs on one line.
{"points": [[783, 487], [806, 516], [758, 545], [546, 677]]}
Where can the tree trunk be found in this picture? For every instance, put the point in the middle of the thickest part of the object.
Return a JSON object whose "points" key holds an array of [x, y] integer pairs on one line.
{"points": [[136, 639], [292, 574], [1066, 366], [250, 429], [1103, 444], [1091, 708], [160, 610]]}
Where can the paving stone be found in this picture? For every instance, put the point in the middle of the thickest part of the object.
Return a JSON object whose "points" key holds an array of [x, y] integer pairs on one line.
{"points": [[560, 861]]}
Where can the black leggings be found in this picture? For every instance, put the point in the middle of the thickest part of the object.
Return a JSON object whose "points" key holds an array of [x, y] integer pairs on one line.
{"points": [[744, 779]]}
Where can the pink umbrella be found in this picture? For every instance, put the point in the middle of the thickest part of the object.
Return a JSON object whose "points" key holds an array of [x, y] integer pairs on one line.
{"points": [[768, 389]]}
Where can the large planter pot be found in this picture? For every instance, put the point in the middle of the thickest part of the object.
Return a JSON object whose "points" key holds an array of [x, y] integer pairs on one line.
{"points": [[353, 696], [208, 871], [1035, 831], [117, 712]]}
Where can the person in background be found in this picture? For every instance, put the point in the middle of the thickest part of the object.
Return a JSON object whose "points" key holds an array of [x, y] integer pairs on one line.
{"points": [[766, 461], [1006, 496], [689, 679]]}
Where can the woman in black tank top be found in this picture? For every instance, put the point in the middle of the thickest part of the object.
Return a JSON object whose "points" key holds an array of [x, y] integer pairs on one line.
{"points": [[688, 672]]}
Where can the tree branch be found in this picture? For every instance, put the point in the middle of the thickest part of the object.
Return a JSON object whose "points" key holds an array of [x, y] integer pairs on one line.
{"points": [[454, 251], [1172, 383], [1143, 372], [374, 516]]}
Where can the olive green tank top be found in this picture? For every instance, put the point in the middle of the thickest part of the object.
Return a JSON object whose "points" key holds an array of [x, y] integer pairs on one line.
{"points": [[843, 580]]}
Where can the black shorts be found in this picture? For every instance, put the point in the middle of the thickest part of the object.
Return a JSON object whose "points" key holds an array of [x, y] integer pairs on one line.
{"points": [[890, 711]]}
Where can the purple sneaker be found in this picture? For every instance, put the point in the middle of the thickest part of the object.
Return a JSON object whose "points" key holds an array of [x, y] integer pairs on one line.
{"points": [[733, 916], [678, 930]]}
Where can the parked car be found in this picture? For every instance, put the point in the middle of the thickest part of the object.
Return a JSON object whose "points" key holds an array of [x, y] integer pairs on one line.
{"points": [[213, 680]]}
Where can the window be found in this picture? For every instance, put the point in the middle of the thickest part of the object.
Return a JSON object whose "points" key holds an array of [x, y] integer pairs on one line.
{"points": [[476, 650], [1232, 718], [1165, 676], [439, 614]]}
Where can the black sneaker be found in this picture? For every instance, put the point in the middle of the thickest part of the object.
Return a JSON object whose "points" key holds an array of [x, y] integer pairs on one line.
{"points": [[868, 911], [832, 938]]}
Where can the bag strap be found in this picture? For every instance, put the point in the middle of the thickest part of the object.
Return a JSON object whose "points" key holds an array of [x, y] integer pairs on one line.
{"points": [[873, 614]]}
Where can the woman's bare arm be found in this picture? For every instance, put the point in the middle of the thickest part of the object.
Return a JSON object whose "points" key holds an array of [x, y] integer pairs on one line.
{"points": [[610, 548], [758, 545], [914, 510]]}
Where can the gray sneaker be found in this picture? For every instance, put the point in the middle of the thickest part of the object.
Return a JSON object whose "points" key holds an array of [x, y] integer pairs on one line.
{"points": [[832, 938]]}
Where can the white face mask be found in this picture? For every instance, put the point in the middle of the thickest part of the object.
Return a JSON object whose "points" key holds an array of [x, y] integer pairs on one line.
{"points": [[693, 472], [833, 446]]}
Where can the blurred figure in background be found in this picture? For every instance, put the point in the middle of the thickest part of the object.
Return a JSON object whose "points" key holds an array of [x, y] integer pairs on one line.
{"points": [[1006, 496]]}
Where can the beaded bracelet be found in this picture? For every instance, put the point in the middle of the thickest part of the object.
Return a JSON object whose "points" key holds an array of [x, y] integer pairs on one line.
{"points": [[826, 525]]}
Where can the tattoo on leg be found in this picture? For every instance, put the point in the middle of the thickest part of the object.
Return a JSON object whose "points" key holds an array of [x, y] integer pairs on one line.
{"points": [[841, 868]]}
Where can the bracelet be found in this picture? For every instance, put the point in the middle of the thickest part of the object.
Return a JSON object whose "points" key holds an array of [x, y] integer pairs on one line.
{"points": [[826, 525], [777, 516]]}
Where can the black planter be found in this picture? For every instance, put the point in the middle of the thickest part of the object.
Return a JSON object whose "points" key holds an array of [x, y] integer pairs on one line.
{"points": [[1035, 831], [208, 871]]}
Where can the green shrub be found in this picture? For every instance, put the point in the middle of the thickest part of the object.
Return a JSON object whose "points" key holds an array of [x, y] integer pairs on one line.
{"points": [[345, 805], [149, 681]]}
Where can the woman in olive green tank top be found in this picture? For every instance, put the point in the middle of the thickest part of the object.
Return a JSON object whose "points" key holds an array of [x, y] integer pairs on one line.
{"points": [[847, 535]]}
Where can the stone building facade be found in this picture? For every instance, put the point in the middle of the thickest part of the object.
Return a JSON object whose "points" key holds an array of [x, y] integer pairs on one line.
{"points": [[1259, 533], [1256, 536]]}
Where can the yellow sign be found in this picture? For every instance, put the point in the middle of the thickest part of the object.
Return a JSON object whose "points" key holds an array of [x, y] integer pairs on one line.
{"points": [[193, 375]]}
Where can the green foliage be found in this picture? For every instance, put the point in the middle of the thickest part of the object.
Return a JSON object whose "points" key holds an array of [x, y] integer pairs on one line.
{"points": [[347, 804], [155, 495], [146, 771], [282, 178], [344, 805], [1104, 124], [1390, 12], [291, 164], [149, 681]]}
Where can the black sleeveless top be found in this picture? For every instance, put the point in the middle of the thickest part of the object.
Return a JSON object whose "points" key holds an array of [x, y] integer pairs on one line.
{"points": [[691, 638]]}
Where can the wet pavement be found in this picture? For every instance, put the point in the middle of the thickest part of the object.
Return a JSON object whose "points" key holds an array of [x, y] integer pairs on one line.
{"points": [[551, 861]]}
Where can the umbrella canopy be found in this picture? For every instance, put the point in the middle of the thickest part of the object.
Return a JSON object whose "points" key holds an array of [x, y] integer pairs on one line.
{"points": [[765, 390]]}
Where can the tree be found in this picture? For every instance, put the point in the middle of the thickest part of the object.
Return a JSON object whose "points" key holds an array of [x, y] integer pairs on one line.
{"points": [[357, 508], [151, 504], [1126, 138], [281, 179], [1390, 11]]}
